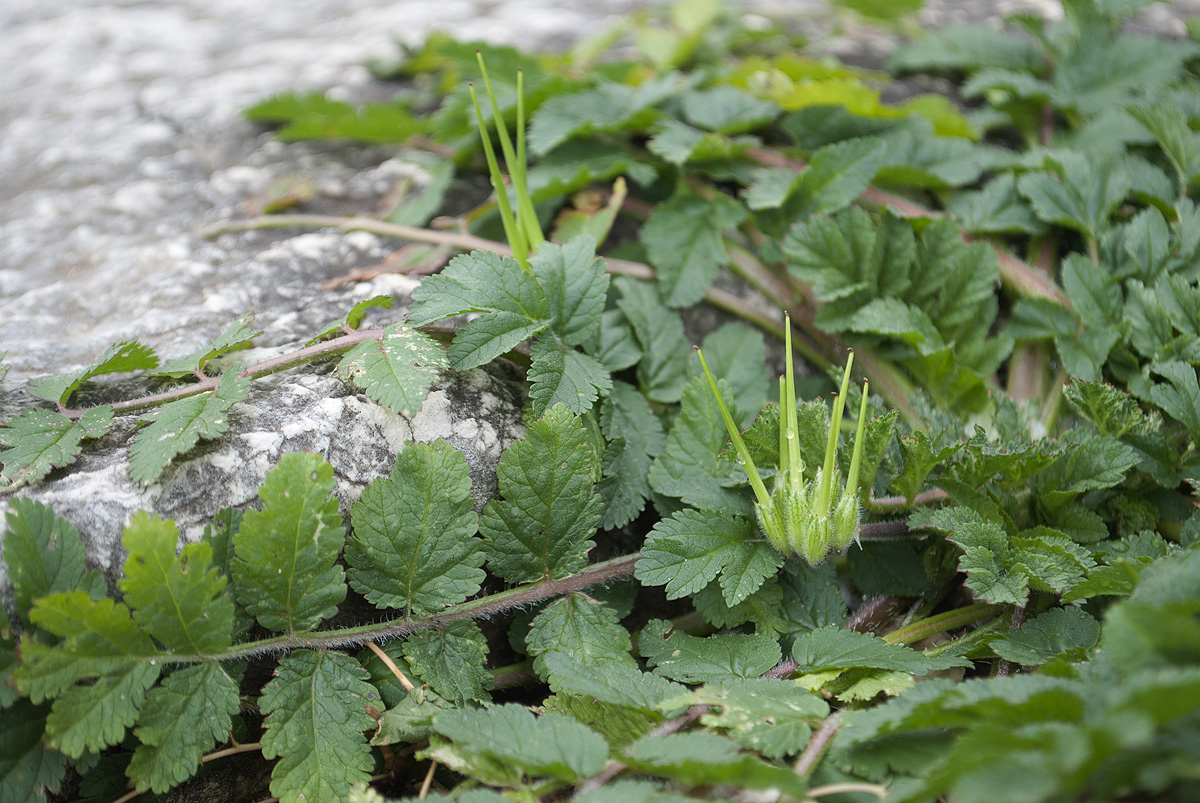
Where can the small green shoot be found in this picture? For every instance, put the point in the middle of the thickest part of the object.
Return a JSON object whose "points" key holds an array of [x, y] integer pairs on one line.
{"points": [[522, 230], [798, 518]]}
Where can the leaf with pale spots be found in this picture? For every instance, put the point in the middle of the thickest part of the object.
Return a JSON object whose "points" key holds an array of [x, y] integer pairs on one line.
{"points": [[397, 369], [178, 426]]}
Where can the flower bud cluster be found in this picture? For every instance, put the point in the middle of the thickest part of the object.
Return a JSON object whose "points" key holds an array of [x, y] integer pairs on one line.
{"points": [[809, 519]]}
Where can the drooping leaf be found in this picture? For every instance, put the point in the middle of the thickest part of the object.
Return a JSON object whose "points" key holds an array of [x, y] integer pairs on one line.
{"points": [[177, 598], [177, 426], [116, 359], [543, 525], [40, 441], [414, 545], [285, 554], [397, 369], [451, 662], [183, 717], [551, 745], [315, 726], [677, 655]]}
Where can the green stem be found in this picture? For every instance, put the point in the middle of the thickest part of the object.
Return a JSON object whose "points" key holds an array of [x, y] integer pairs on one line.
{"points": [[481, 608], [959, 617]]}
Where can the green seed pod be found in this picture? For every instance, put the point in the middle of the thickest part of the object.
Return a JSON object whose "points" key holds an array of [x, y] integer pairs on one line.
{"points": [[845, 520]]}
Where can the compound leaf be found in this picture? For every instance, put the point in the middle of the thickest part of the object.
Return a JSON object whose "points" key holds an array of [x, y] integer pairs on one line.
{"points": [[177, 426], [315, 720], [686, 551], [183, 717], [837, 174], [413, 545], [543, 525], [116, 359], [584, 630], [677, 655], [179, 599], [481, 281], [551, 745], [451, 662], [397, 369], [284, 565], [1082, 197], [39, 441]]}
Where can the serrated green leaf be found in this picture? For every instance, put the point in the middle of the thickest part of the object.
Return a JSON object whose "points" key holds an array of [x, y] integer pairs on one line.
{"points": [[683, 240], [691, 467], [236, 335], [451, 662], [92, 717], [1058, 632], [997, 208], [677, 655], [1169, 125], [177, 598], [635, 437], [413, 545], [811, 595], [397, 369], [727, 110], [838, 648], [542, 527], [762, 608], [1179, 397], [584, 630], [116, 359], [836, 175], [314, 726], [485, 338], [920, 458], [42, 552], [410, 720], [559, 375], [177, 426], [662, 371], [579, 163], [549, 746], [916, 157], [183, 717], [688, 550], [39, 441], [773, 717], [285, 554], [700, 759], [1096, 462], [575, 285], [99, 638], [481, 281], [992, 575], [1082, 197], [617, 345], [770, 188], [1112, 411], [615, 684], [27, 767], [620, 726], [607, 108]]}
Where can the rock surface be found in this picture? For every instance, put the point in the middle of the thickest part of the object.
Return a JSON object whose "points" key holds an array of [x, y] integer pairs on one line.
{"points": [[122, 138]]}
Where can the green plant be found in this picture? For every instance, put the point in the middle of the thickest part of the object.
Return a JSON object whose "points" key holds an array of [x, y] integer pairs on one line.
{"points": [[1022, 486]]}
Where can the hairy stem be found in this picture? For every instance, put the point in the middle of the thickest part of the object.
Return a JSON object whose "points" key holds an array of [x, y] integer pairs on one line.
{"points": [[959, 617], [472, 609]]}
